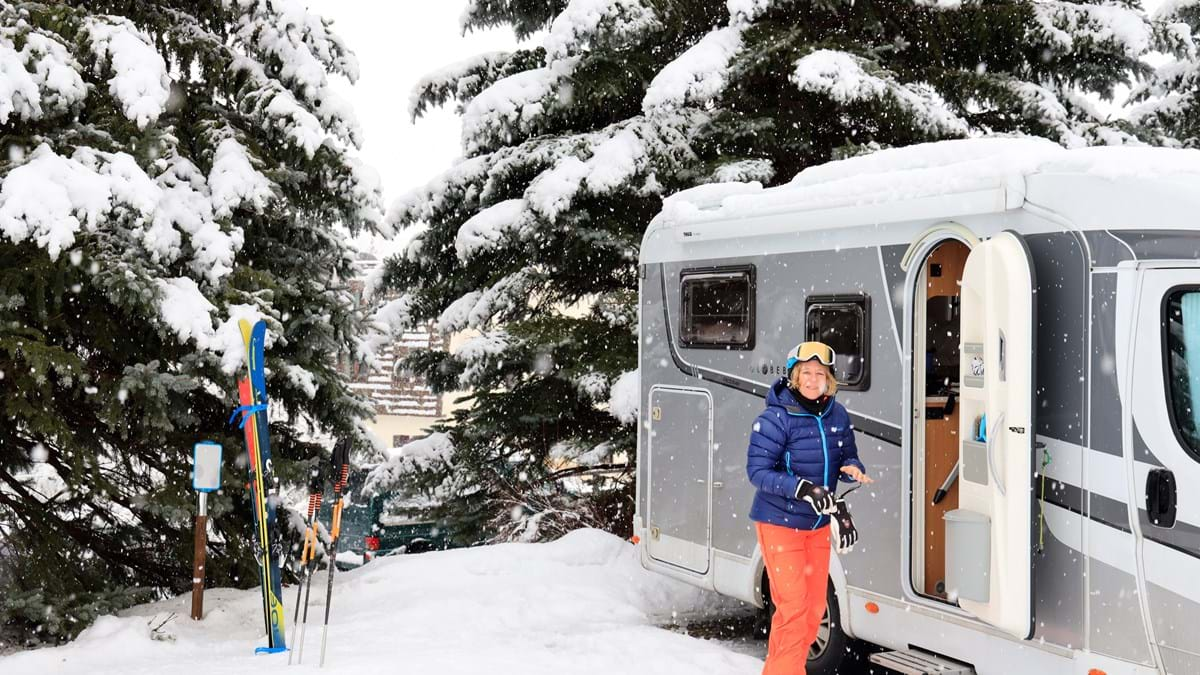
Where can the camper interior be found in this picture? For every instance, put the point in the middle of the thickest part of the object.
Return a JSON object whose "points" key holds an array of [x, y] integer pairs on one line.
{"points": [[936, 307]]}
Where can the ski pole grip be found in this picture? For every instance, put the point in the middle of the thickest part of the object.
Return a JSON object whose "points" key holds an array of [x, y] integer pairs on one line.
{"points": [[337, 519]]}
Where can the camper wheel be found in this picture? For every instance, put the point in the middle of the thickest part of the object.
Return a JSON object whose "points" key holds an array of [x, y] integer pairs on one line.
{"points": [[829, 649]]}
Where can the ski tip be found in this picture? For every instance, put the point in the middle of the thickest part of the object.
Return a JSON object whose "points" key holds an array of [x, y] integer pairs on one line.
{"points": [[269, 650]]}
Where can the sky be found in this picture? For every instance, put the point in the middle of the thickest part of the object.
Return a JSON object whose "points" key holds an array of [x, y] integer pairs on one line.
{"points": [[396, 44]]}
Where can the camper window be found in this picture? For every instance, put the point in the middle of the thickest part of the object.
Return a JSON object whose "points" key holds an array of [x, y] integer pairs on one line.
{"points": [[1181, 327], [718, 307], [843, 322]]}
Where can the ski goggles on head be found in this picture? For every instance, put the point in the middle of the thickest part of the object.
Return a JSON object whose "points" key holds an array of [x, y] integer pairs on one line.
{"points": [[807, 351]]}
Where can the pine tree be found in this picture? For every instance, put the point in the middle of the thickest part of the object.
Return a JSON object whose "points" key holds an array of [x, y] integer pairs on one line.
{"points": [[1169, 106], [167, 168], [532, 238]]}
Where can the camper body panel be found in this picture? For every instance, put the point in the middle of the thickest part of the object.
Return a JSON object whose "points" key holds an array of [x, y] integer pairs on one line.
{"points": [[1088, 593]]}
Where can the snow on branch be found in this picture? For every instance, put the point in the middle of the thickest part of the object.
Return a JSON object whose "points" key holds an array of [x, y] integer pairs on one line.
{"points": [[476, 309], [186, 205], [1062, 23], [515, 105], [40, 79], [698, 75], [746, 11], [584, 23], [303, 48], [50, 198], [426, 454], [844, 78], [485, 229], [139, 79], [462, 81], [745, 171], [626, 393], [234, 181], [476, 353]]}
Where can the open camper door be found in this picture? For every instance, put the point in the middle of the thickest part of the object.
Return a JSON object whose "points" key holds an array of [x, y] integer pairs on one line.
{"points": [[989, 538]]}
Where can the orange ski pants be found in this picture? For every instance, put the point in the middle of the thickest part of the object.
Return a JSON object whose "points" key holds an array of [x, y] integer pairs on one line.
{"points": [[797, 563]]}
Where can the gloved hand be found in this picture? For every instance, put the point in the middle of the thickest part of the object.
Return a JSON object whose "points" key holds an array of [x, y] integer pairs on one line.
{"points": [[842, 528], [818, 496]]}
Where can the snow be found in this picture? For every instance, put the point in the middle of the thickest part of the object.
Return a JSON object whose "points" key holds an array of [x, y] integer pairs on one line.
{"points": [[485, 229], [235, 182], [581, 605], [513, 105], [626, 394], [423, 454], [582, 22], [285, 31], [140, 82], [1064, 22], [698, 75], [43, 77], [745, 11], [185, 309], [302, 379], [914, 171], [844, 78], [924, 170], [477, 351]]}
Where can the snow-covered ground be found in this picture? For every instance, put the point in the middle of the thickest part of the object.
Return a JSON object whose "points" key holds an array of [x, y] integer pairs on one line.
{"points": [[580, 605]]}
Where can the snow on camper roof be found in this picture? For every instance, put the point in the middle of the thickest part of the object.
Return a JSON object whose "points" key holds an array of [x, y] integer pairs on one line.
{"points": [[922, 171]]}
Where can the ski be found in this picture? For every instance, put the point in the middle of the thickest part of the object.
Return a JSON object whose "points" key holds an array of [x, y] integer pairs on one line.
{"points": [[308, 557], [252, 394], [340, 475]]}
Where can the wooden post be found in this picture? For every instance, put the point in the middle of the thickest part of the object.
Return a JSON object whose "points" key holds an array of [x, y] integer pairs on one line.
{"points": [[201, 546]]}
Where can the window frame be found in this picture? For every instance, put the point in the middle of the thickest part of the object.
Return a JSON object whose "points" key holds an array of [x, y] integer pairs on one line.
{"points": [[750, 272], [1168, 389], [863, 302]]}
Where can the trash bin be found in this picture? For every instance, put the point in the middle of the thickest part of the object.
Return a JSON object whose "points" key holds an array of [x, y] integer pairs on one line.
{"points": [[968, 555]]}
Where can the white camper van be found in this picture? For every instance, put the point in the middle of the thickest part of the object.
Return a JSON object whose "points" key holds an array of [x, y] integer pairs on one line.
{"points": [[1017, 325]]}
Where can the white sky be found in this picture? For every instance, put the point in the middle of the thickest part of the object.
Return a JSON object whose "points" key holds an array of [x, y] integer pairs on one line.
{"points": [[397, 43]]}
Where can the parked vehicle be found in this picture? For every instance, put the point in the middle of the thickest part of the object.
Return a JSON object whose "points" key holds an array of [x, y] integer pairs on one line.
{"points": [[1022, 316], [369, 531]]}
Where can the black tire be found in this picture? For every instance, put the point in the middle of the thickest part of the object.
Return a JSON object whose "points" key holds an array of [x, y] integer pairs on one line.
{"points": [[827, 653]]}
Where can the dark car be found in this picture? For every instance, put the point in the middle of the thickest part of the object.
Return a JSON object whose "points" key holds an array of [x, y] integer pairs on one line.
{"points": [[374, 526]]}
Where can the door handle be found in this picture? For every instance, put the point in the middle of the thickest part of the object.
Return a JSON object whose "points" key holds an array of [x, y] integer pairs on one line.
{"points": [[718, 484], [991, 437], [1161, 498]]}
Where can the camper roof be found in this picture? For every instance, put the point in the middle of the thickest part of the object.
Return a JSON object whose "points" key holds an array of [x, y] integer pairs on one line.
{"points": [[946, 178]]}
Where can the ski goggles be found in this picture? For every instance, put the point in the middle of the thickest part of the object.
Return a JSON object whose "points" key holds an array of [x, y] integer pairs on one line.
{"points": [[807, 351]]}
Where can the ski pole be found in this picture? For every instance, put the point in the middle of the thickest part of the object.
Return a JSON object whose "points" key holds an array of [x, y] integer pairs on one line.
{"points": [[307, 555], [341, 472]]}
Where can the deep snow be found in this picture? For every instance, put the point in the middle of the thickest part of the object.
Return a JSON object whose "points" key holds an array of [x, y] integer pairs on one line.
{"points": [[580, 605]]}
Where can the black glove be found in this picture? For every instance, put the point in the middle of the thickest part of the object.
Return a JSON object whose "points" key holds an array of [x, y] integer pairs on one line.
{"points": [[842, 528], [818, 496]]}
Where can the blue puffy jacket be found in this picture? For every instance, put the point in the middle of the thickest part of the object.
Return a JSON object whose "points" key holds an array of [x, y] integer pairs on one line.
{"points": [[788, 443]]}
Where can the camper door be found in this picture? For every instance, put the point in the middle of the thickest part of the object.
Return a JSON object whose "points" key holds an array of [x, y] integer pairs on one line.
{"points": [[989, 538]]}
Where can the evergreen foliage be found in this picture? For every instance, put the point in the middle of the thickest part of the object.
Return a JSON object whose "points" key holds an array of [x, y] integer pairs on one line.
{"points": [[167, 168], [531, 240]]}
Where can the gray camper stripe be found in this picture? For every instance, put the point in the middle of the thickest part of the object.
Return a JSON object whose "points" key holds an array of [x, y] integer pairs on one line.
{"points": [[885, 432], [1182, 537]]}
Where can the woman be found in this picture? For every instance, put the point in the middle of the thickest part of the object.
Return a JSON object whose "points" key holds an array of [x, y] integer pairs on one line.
{"points": [[798, 446]]}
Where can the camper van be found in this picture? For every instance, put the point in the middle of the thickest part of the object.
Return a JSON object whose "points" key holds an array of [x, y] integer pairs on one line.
{"points": [[1017, 329]]}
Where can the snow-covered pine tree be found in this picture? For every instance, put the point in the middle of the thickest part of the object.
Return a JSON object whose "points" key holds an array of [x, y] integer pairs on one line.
{"points": [[167, 168], [1169, 106], [569, 145]]}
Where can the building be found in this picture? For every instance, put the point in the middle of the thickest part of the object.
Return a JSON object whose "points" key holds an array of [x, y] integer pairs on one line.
{"points": [[404, 404]]}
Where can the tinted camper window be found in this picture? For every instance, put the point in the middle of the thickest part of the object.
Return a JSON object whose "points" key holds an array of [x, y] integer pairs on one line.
{"points": [[842, 322], [718, 307], [1182, 327]]}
